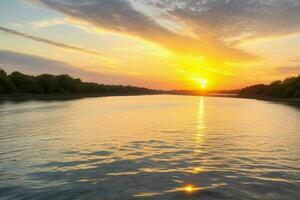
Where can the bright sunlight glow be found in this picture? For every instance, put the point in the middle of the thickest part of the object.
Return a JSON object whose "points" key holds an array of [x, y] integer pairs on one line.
{"points": [[202, 83], [189, 188]]}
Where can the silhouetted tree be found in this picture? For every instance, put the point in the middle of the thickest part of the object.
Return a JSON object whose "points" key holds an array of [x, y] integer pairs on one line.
{"points": [[288, 88], [6, 85], [51, 84], [25, 83], [68, 84]]}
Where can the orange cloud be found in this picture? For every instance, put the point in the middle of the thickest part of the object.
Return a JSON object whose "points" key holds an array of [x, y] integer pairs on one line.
{"points": [[122, 17]]}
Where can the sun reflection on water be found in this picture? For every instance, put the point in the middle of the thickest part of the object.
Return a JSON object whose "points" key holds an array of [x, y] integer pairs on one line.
{"points": [[182, 148], [190, 188], [201, 122], [197, 170]]}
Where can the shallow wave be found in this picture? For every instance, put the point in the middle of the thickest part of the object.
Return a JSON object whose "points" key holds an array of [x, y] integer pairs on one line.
{"points": [[84, 151]]}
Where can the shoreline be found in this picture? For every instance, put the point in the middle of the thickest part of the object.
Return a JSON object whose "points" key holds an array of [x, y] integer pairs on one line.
{"points": [[295, 101], [57, 97]]}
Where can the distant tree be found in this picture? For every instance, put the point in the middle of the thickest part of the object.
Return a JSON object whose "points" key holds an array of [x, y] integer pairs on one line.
{"points": [[25, 83], [287, 88], [94, 88], [297, 94], [69, 84], [6, 85], [297, 87], [49, 83], [258, 89]]}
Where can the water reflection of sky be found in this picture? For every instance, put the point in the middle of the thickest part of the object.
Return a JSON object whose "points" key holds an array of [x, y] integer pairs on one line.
{"points": [[152, 147]]}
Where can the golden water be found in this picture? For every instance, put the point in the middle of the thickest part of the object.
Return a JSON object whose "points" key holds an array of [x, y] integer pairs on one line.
{"points": [[149, 147]]}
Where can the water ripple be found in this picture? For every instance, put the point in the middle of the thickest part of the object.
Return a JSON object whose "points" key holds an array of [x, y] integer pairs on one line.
{"points": [[151, 147]]}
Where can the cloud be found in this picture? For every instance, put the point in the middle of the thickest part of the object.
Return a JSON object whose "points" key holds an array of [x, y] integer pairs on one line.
{"points": [[51, 42], [48, 23], [289, 69], [124, 17], [234, 20], [207, 28], [31, 64], [296, 60]]}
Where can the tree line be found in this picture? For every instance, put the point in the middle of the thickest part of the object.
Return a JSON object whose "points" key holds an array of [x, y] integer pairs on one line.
{"points": [[288, 88], [17, 82]]}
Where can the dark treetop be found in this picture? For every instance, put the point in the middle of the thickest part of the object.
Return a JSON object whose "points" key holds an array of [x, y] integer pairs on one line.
{"points": [[288, 88], [19, 83]]}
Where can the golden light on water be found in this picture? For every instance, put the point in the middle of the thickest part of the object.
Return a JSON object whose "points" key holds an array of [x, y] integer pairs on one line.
{"points": [[189, 188], [197, 170], [200, 128]]}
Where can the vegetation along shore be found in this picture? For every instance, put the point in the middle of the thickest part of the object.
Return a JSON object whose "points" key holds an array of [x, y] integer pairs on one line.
{"points": [[46, 86], [19, 86]]}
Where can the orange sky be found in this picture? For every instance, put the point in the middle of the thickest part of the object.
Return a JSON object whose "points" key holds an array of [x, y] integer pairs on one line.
{"points": [[158, 44]]}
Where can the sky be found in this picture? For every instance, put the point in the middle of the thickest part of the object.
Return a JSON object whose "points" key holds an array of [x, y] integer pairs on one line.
{"points": [[160, 44]]}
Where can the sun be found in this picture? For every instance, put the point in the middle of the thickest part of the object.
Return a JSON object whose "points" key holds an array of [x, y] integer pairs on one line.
{"points": [[202, 82]]}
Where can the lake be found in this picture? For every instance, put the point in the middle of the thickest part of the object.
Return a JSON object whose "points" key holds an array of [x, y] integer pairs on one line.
{"points": [[149, 147]]}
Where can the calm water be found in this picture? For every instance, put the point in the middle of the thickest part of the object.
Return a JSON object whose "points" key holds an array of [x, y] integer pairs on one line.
{"points": [[149, 147]]}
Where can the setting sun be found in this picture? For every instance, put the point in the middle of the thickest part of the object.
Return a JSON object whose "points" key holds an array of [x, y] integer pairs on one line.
{"points": [[202, 83]]}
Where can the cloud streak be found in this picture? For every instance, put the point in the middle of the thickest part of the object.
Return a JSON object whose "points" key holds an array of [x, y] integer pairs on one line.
{"points": [[234, 20], [51, 42], [289, 69], [209, 28], [123, 17], [48, 23], [31, 64]]}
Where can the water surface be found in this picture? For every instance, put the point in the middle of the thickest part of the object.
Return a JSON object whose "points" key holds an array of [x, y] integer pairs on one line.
{"points": [[149, 147]]}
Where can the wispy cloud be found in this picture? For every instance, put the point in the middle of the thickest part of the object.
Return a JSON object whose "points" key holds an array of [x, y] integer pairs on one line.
{"points": [[289, 69], [296, 60], [124, 17], [210, 28], [31, 64], [234, 20], [51, 42], [48, 23]]}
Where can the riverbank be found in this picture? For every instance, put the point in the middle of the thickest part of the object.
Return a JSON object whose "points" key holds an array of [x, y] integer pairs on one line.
{"points": [[295, 101], [27, 97], [54, 97]]}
